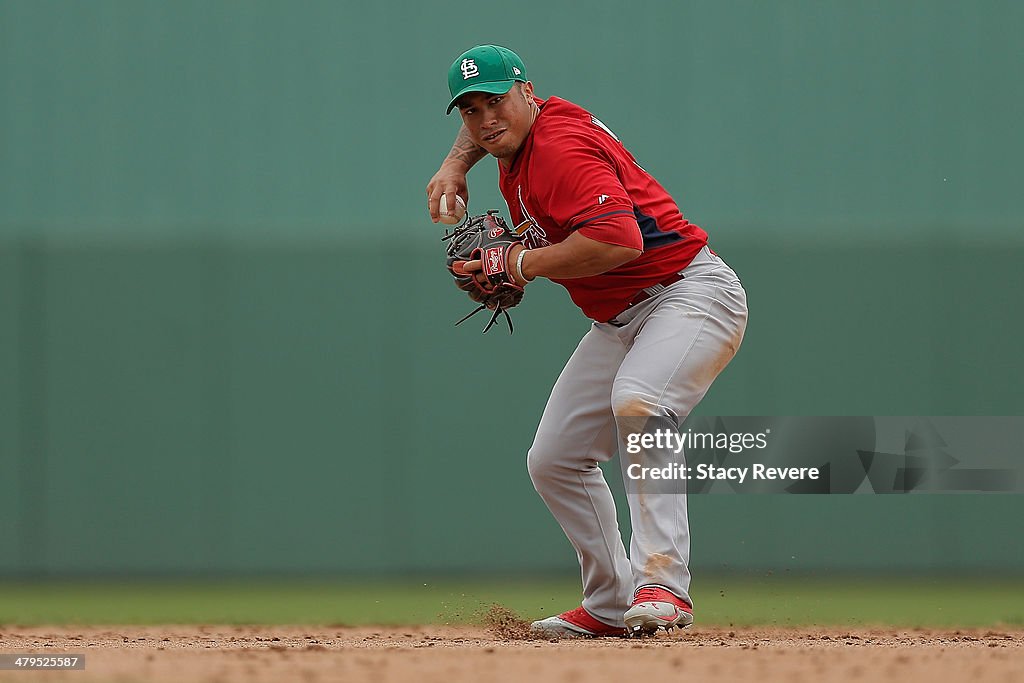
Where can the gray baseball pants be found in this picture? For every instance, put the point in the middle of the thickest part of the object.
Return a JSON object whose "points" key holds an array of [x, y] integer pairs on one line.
{"points": [[657, 359]]}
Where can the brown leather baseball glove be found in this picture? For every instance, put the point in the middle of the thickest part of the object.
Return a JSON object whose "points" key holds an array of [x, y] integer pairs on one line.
{"points": [[488, 238]]}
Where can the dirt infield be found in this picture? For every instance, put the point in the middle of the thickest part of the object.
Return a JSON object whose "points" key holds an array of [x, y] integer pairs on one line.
{"points": [[225, 654]]}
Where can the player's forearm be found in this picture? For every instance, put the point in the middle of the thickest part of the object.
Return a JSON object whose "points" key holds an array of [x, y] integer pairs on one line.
{"points": [[576, 257], [464, 151]]}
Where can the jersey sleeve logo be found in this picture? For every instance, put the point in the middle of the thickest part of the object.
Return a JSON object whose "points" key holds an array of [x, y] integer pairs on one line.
{"points": [[601, 199]]}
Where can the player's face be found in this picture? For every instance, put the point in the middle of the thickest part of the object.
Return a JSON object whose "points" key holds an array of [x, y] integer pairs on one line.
{"points": [[499, 123]]}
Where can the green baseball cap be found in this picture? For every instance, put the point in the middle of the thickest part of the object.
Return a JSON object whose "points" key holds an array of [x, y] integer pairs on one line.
{"points": [[484, 68]]}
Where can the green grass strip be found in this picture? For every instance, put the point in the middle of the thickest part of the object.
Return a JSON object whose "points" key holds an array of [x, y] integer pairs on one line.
{"points": [[736, 601]]}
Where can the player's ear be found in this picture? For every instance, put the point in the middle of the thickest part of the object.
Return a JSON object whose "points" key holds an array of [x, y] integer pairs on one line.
{"points": [[527, 90]]}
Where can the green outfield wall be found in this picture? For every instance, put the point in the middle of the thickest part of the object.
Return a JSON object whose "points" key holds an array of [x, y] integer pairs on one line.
{"points": [[226, 343]]}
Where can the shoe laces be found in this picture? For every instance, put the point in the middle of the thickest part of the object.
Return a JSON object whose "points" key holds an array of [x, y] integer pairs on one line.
{"points": [[576, 613], [649, 594]]}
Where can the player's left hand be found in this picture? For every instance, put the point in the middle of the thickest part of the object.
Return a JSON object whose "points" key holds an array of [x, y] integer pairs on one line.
{"points": [[476, 268]]}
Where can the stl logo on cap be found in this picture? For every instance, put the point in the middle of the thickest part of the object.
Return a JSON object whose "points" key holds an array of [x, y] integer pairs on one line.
{"points": [[469, 69]]}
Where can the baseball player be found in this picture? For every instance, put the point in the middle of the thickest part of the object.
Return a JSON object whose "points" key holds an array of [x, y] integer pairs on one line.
{"points": [[668, 315]]}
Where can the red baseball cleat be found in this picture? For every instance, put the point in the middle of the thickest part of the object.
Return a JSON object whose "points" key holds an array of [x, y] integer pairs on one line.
{"points": [[574, 624], [656, 607]]}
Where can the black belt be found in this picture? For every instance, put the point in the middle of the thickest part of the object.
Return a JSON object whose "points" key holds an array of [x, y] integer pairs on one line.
{"points": [[646, 293]]}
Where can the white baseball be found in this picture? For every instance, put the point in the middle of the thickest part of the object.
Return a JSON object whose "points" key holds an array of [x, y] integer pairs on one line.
{"points": [[456, 215]]}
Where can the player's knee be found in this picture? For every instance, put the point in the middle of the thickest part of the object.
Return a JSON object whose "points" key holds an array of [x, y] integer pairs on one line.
{"points": [[541, 466], [630, 403]]}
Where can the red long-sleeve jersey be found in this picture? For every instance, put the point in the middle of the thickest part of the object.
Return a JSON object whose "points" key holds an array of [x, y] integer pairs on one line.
{"points": [[573, 174]]}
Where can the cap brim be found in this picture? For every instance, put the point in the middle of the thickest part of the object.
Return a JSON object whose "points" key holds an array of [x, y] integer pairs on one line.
{"points": [[494, 88]]}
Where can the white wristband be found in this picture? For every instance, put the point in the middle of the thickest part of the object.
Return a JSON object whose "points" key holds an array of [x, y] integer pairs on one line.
{"points": [[519, 265]]}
